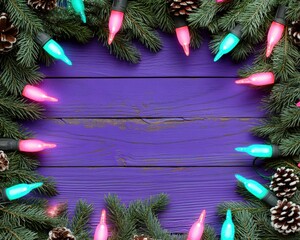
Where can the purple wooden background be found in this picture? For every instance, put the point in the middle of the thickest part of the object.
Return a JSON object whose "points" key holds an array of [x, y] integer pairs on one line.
{"points": [[169, 124]]}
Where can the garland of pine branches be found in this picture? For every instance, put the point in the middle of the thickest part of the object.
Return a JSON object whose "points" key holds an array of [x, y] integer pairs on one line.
{"points": [[27, 219]]}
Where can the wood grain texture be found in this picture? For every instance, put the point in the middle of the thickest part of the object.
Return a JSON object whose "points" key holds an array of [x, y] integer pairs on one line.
{"points": [[155, 97], [94, 60], [156, 142], [190, 189]]}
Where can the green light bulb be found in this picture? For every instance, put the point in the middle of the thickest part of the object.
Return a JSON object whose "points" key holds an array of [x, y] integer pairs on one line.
{"points": [[78, 6], [52, 47], [20, 190], [260, 150], [258, 190], [228, 228], [229, 42]]}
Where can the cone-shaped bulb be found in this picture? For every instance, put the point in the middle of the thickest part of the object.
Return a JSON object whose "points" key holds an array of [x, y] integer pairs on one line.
{"points": [[298, 104], [197, 229], [253, 187], [183, 37], [228, 228], [37, 94], [227, 44], [56, 51], [20, 190], [115, 24], [101, 232], [34, 145], [258, 79], [78, 6], [257, 150]]}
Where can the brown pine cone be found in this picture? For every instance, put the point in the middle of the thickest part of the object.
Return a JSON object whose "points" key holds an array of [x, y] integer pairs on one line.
{"points": [[8, 33], [42, 5], [284, 182], [141, 237], [285, 217], [294, 32], [4, 163], [182, 7], [61, 233]]}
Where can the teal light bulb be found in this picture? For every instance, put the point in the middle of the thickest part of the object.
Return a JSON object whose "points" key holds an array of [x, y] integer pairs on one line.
{"points": [[52, 47], [253, 187], [257, 150], [228, 228], [56, 51], [78, 6], [20, 190], [229, 42]]}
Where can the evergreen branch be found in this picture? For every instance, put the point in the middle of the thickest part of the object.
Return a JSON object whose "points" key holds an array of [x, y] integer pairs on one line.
{"points": [[10, 129], [248, 228], [290, 117], [290, 146], [9, 232], [158, 203], [209, 233], [27, 50], [23, 17], [21, 161], [81, 219]]}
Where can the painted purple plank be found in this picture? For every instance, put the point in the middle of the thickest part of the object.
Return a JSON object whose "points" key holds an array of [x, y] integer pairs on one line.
{"points": [[158, 97], [157, 142], [190, 189], [94, 60]]}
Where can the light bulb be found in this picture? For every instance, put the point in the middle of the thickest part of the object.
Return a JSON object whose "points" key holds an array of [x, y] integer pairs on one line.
{"points": [[29, 145], [78, 6], [258, 190], [222, 1], [37, 94], [116, 18], [52, 47], [101, 232], [258, 79], [197, 229], [228, 228], [229, 42], [260, 150], [276, 30], [298, 104], [183, 34], [18, 191]]}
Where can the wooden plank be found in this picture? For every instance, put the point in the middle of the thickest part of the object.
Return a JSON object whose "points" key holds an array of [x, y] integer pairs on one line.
{"points": [[155, 97], [156, 142], [94, 60], [190, 189]]}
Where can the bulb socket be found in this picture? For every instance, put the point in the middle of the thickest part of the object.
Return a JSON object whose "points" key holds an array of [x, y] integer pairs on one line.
{"points": [[42, 38], [3, 197], [8, 144], [237, 31], [280, 15], [179, 21], [275, 151], [119, 5], [270, 199]]}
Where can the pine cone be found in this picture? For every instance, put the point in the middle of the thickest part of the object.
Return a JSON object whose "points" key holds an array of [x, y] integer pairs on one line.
{"points": [[61, 233], [285, 217], [284, 182], [182, 7], [294, 32], [4, 163], [42, 5], [141, 237], [8, 34]]}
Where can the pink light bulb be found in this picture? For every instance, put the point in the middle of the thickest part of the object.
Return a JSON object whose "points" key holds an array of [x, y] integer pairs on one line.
{"points": [[34, 145], [221, 1], [183, 36], [101, 232], [115, 24], [37, 94], [258, 79], [298, 104], [197, 228], [274, 35], [52, 211]]}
